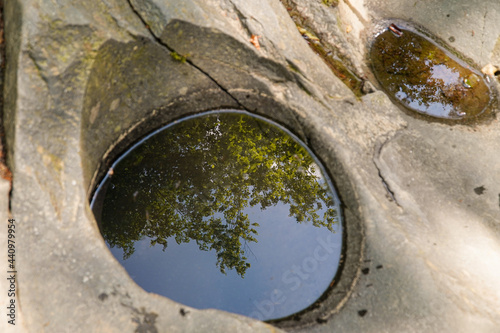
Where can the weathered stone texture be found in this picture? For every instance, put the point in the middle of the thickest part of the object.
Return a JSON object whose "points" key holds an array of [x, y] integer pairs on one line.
{"points": [[85, 79]]}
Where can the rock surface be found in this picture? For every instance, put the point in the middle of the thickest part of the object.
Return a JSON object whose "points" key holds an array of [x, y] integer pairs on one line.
{"points": [[84, 80]]}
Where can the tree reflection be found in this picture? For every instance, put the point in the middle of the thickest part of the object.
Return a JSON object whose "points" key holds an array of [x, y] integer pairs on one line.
{"points": [[425, 78], [194, 180]]}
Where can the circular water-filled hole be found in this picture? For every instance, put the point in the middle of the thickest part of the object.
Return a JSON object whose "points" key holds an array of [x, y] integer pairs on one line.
{"points": [[224, 210]]}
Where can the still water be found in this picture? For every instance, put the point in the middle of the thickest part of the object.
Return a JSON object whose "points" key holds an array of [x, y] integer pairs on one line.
{"points": [[426, 78], [223, 210]]}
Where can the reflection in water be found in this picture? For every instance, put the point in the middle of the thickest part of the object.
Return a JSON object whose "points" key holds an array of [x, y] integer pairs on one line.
{"points": [[233, 186], [426, 79]]}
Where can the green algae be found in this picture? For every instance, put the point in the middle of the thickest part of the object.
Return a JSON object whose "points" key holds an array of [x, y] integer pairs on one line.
{"points": [[330, 3], [178, 57], [333, 57], [427, 79], [334, 62]]}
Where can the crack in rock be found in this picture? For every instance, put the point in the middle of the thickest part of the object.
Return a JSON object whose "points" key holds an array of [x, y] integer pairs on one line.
{"points": [[243, 19], [171, 50], [390, 194], [275, 78]]}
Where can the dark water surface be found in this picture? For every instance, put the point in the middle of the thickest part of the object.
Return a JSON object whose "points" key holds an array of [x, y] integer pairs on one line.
{"points": [[223, 210], [426, 78]]}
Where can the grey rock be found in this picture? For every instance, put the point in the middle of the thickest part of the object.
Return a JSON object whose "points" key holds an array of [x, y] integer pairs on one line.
{"points": [[85, 80]]}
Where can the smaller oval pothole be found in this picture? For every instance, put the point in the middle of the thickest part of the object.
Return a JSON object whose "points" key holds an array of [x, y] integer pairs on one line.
{"points": [[425, 78], [224, 210]]}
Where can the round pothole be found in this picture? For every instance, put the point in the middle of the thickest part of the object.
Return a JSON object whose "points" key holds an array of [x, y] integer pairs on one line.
{"points": [[224, 210], [426, 78]]}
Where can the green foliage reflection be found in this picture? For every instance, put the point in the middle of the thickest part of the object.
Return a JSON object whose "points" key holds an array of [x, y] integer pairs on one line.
{"points": [[193, 181]]}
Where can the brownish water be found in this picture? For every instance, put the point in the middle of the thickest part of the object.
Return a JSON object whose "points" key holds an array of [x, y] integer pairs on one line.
{"points": [[426, 78]]}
